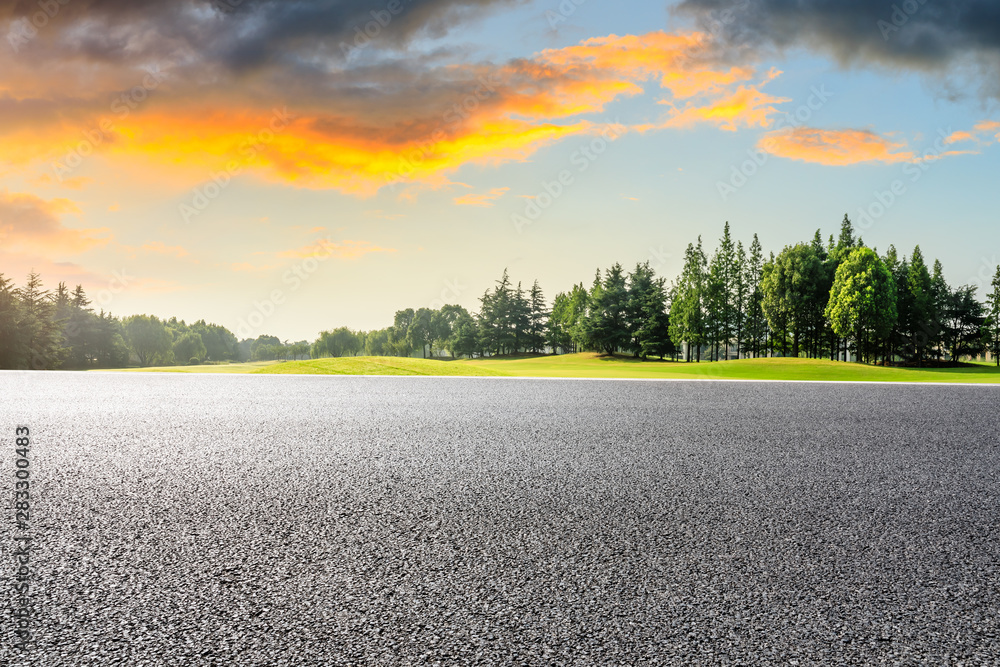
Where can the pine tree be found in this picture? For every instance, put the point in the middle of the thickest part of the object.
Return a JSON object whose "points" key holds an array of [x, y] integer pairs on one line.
{"points": [[993, 315], [687, 310], [41, 330], [13, 353], [756, 322], [537, 318]]}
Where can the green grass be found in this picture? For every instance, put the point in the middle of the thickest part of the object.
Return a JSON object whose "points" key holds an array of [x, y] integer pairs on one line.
{"points": [[590, 365], [248, 367], [376, 366]]}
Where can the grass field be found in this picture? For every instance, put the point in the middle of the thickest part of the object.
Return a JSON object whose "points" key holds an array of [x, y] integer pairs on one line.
{"points": [[377, 366], [248, 367], [592, 365], [589, 365]]}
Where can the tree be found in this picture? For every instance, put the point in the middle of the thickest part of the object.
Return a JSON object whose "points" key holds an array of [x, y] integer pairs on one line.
{"points": [[993, 318], [12, 349], [641, 285], [220, 343], [147, 338], [687, 311], [720, 295], [862, 302], [792, 285], [964, 324], [654, 333], [560, 324], [465, 337], [920, 327], [420, 333], [189, 346], [266, 348], [41, 333], [756, 321], [606, 322], [537, 318]]}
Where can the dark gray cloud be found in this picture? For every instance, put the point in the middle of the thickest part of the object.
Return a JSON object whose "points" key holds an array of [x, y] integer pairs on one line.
{"points": [[918, 34], [238, 34]]}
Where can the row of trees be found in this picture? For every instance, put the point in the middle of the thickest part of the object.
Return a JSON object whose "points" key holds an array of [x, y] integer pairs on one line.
{"points": [[43, 329], [817, 299], [814, 299]]}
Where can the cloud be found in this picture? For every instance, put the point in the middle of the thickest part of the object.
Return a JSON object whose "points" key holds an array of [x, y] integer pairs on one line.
{"points": [[324, 249], [959, 136], [160, 248], [834, 147], [484, 199], [237, 35], [924, 35], [29, 222], [361, 126]]}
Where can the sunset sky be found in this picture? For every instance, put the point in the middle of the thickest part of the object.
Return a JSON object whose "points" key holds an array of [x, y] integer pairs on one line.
{"points": [[288, 167]]}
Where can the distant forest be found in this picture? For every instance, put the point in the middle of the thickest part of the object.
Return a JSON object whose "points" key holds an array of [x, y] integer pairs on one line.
{"points": [[817, 299]]}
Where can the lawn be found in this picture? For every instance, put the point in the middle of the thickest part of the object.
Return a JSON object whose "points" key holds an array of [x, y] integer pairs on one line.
{"points": [[248, 367], [592, 365], [589, 365], [377, 366]]}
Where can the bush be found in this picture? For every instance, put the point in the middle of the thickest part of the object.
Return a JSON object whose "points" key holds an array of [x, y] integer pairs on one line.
{"points": [[194, 361]]}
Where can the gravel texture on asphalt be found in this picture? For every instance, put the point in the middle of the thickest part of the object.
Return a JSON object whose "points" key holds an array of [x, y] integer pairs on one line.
{"points": [[211, 519]]}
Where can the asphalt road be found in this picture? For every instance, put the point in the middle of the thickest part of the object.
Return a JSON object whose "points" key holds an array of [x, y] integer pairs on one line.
{"points": [[275, 520]]}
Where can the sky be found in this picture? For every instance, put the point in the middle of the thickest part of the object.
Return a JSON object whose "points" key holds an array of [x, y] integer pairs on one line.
{"points": [[284, 168]]}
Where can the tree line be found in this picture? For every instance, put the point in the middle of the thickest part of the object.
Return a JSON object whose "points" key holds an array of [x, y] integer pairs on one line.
{"points": [[815, 299]]}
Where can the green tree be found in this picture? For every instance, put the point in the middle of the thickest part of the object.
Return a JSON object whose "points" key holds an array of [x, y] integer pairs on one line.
{"points": [[40, 331], [148, 339], [964, 324], [862, 302], [993, 318], [687, 308], [12, 348], [606, 322], [791, 285], [756, 321], [465, 338], [189, 346]]}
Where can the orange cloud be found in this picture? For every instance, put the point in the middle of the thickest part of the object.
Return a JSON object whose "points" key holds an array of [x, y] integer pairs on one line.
{"points": [[29, 222], [396, 133], [834, 147], [956, 137], [746, 107], [484, 199]]}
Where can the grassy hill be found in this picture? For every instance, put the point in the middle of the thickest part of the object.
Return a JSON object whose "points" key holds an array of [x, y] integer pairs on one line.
{"points": [[591, 365], [376, 366]]}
